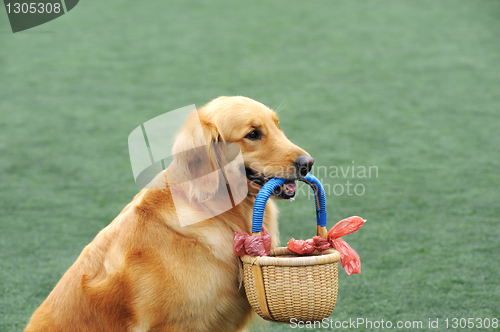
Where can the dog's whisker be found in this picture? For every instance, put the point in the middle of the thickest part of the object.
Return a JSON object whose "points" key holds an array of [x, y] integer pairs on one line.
{"points": [[279, 109]]}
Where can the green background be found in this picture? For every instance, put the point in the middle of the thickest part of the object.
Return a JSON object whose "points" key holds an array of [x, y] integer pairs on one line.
{"points": [[412, 87]]}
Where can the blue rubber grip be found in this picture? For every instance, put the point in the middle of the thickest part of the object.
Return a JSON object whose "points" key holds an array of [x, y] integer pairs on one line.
{"points": [[316, 185], [268, 188], [261, 200]]}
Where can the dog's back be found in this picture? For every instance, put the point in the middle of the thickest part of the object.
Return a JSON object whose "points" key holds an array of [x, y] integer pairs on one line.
{"points": [[145, 272]]}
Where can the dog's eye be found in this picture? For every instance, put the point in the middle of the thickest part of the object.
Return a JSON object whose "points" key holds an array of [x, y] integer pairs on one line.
{"points": [[253, 135]]}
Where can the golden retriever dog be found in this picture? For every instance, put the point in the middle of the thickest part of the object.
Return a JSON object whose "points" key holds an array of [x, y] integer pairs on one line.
{"points": [[147, 272]]}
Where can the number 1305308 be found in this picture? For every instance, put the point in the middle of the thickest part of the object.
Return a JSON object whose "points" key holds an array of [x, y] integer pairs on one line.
{"points": [[33, 7], [478, 323]]}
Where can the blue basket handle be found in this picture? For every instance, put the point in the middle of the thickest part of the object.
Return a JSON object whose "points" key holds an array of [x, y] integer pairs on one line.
{"points": [[268, 188]]}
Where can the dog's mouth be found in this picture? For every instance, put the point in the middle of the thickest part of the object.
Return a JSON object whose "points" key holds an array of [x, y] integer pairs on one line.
{"points": [[286, 191]]}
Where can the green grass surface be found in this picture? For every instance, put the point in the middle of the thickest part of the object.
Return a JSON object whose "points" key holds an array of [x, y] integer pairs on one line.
{"points": [[411, 87]]}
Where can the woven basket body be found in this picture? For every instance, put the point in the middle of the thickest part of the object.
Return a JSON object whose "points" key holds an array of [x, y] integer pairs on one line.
{"points": [[284, 285]]}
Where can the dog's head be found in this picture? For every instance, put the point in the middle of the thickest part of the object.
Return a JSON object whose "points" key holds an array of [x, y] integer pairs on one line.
{"points": [[251, 126]]}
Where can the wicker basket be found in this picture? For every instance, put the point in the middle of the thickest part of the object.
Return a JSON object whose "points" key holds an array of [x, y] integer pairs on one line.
{"points": [[284, 285]]}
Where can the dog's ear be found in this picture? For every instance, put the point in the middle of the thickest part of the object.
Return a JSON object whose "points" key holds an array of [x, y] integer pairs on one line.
{"points": [[196, 158]]}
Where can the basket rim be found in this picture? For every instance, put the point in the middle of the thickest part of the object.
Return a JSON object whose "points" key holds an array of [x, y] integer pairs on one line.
{"points": [[315, 258]]}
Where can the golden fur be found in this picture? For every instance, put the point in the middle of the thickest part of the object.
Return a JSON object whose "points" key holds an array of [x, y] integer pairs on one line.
{"points": [[144, 272]]}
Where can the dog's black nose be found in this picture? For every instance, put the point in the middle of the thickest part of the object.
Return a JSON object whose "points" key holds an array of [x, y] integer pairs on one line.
{"points": [[303, 164]]}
